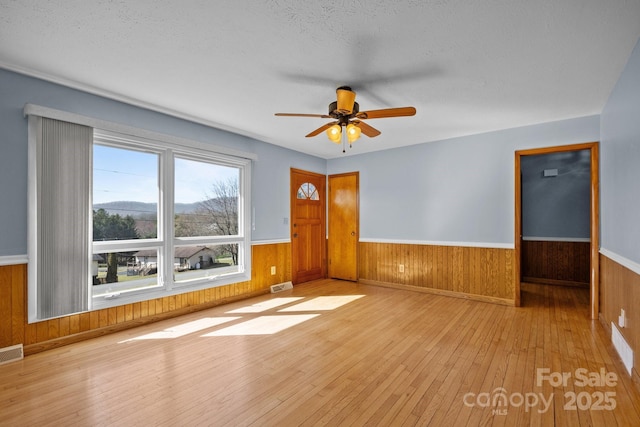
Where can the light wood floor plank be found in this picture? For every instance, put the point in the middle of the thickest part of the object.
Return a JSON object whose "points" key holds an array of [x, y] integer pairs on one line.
{"points": [[389, 358]]}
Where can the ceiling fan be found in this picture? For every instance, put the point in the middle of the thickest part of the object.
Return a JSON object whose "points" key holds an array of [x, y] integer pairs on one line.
{"points": [[347, 114]]}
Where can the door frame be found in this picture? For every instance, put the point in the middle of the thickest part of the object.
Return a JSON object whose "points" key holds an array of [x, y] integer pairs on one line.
{"points": [[594, 273]]}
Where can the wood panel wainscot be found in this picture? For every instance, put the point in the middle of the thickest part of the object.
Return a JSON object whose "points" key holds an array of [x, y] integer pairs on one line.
{"points": [[47, 334], [620, 289], [485, 274], [556, 262]]}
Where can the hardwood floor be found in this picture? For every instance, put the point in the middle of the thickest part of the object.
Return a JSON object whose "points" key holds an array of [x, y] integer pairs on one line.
{"points": [[336, 353]]}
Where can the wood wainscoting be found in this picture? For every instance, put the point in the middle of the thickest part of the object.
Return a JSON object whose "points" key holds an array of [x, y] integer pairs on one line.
{"points": [[485, 274], [620, 289], [44, 335], [555, 262]]}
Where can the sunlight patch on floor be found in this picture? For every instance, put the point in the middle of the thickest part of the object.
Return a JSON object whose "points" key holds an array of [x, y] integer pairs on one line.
{"points": [[183, 329], [265, 305], [323, 303], [263, 325]]}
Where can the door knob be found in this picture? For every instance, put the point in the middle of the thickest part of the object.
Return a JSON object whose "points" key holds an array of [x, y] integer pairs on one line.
{"points": [[353, 233], [295, 234]]}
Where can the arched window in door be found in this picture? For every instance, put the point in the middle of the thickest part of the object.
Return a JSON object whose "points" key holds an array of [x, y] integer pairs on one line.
{"points": [[308, 191]]}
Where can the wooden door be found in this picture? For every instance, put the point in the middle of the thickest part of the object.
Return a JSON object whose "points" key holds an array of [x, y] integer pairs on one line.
{"points": [[343, 226], [308, 230]]}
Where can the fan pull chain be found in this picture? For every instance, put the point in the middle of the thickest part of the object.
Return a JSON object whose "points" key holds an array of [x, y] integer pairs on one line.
{"points": [[344, 139]]}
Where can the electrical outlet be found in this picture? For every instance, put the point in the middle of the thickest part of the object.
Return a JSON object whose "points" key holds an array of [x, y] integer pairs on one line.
{"points": [[273, 270], [401, 268], [622, 320]]}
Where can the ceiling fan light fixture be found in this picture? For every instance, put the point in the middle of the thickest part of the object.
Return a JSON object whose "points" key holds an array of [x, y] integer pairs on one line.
{"points": [[334, 133], [353, 132], [346, 113]]}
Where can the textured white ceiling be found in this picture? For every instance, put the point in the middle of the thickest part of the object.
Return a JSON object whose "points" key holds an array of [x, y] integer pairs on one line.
{"points": [[468, 66]]}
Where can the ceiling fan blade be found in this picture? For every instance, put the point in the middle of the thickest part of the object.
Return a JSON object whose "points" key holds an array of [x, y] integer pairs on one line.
{"points": [[370, 131], [387, 112], [346, 98], [321, 129], [322, 116]]}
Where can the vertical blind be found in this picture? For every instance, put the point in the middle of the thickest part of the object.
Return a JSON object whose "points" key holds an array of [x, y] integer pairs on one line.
{"points": [[63, 184]]}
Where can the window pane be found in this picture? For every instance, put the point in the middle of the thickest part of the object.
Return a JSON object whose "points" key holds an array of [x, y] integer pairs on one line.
{"points": [[308, 191], [125, 194], [124, 271], [302, 192], [196, 262], [206, 199], [313, 192]]}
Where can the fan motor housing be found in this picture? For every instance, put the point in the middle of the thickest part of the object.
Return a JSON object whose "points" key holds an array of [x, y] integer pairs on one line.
{"points": [[333, 110]]}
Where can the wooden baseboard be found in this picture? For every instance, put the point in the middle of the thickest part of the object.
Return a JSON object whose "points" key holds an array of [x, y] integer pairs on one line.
{"points": [[555, 282], [473, 297], [95, 333], [635, 378], [604, 324]]}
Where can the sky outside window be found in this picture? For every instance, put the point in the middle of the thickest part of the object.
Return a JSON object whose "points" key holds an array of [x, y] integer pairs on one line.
{"points": [[194, 180], [124, 175], [129, 175]]}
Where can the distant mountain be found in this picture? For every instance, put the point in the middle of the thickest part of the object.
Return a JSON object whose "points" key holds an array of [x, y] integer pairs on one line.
{"points": [[137, 209]]}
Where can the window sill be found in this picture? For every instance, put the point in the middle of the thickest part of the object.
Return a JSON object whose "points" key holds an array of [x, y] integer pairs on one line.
{"points": [[123, 297]]}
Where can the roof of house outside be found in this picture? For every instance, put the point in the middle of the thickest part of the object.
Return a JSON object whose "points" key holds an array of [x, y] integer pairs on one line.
{"points": [[180, 252]]}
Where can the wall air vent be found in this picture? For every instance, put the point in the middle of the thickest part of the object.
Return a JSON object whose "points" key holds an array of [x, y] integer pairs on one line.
{"points": [[11, 354], [623, 348], [281, 287]]}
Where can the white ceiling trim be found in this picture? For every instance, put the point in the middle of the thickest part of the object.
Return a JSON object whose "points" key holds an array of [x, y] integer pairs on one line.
{"points": [[122, 98]]}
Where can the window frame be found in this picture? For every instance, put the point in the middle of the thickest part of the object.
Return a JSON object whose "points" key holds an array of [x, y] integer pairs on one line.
{"points": [[112, 291], [168, 147]]}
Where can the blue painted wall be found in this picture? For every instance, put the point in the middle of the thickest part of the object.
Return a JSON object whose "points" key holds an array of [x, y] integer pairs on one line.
{"points": [[459, 190], [270, 180], [559, 206], [620, 164]]}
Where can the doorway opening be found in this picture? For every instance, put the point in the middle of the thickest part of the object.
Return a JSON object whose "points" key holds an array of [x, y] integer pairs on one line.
{"points": [[592, 226]]}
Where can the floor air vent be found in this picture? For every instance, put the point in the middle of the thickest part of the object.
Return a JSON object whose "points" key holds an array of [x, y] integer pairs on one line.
{"points": [[281, 287], [11, 354], [621, 345]]}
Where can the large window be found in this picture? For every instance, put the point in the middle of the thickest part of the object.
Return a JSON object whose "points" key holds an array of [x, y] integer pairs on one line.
{"points": [[134, 218]]}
